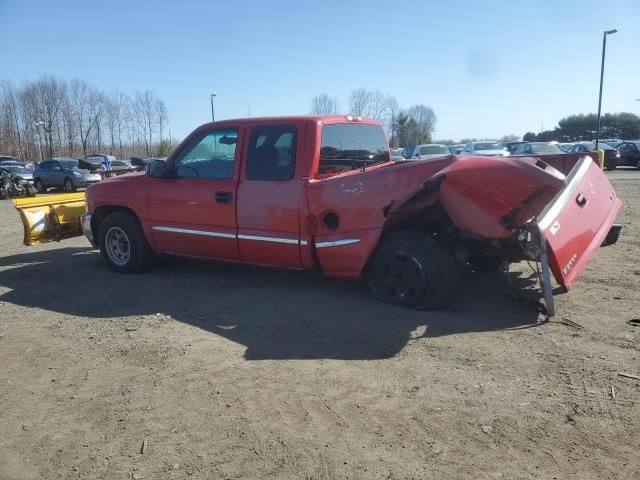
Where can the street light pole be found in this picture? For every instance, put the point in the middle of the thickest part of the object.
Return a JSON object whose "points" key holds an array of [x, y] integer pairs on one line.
{"points": [[213, 117], [604, 49], [38, 126]]}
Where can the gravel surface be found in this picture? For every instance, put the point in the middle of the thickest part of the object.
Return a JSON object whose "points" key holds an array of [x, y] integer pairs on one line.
{"points": [[201, 370]]}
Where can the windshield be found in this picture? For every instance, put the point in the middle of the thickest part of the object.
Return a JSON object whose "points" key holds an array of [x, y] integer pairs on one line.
{"points": [[488, 146], [68, 164], [545, 148], [433, 150], [16, 170]]}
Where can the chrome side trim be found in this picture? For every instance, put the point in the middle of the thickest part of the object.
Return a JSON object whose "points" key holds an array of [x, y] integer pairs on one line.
{"points": [[337, 243], [208, 233], [189, 231], [550, 213], [258, 238]]}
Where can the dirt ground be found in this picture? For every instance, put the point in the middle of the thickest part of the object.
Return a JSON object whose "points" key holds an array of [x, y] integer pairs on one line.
{"points": [[197, 370]]}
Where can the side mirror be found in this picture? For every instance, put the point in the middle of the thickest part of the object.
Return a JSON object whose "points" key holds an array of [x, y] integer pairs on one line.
{"points": [[157, 169]]}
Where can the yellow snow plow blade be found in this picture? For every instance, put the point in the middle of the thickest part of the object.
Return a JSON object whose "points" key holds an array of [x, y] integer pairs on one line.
{"points": [[53, 217]]}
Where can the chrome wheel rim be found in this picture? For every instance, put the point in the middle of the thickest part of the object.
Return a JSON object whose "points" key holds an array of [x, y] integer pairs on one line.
{"points": [[117, 246], [68, 186]]}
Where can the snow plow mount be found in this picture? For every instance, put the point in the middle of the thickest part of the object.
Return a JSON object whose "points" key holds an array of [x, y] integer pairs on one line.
{"points": [[51, 218]]}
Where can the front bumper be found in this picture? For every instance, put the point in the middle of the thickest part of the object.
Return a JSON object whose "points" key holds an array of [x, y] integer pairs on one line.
{"points": [[86, 228], [84, 182]]}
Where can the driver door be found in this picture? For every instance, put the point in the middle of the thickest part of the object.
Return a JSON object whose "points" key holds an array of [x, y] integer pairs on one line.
{"points": [[193, 213]]}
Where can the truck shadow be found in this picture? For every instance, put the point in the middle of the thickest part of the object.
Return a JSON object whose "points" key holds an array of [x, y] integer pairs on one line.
{"points": [[275, 314]]}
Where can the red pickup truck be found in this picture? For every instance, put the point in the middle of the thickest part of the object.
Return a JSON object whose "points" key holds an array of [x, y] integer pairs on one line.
{"points": [[322, 193]]}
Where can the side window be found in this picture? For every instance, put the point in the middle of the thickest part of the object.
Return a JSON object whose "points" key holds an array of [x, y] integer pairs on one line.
{"points": [[46, 166], [272, 153], [210, 156], [349, 146], [56, 167], [632, 147]]}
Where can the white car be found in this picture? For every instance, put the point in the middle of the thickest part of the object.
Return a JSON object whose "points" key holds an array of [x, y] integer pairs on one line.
{"points": [[426, 151], [487, 148]]}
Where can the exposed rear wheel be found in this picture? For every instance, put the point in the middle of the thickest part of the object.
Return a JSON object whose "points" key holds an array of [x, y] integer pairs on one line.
{"points": [[123, 244], [412, 270]]}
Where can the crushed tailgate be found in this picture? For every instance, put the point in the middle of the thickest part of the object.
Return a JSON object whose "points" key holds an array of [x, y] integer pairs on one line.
{"points": [[578, 220]]}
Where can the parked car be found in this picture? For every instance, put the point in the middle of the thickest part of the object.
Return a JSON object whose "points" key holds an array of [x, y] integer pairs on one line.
{"points": [[611, 155], [488, 148], [397, 154], [456, 149], [612, 142], [537, 148], [425, 151], [564, 146], [121, 166], [103, 158], [62, 173], [512, 146], [19, 170], [7, 158], [630, 153], [255, 191], [94, 165], [141, 163]]}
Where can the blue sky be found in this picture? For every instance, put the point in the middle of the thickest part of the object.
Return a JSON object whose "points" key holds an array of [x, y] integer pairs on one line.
{"points": [[486, 68]]}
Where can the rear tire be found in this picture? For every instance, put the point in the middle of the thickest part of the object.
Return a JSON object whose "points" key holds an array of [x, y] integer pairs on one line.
{"points": [[123, 244], [412, 270]]}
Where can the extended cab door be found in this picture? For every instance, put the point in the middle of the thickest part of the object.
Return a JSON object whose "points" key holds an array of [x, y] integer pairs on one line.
{"points": [[271, 194], [194, 212]]}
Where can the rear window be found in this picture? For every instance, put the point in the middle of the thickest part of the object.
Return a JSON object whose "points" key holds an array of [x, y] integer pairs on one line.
{"points": [[347, 146]]}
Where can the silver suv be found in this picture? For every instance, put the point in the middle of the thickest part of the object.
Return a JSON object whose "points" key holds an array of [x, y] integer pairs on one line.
{"points": [[62, 173]]}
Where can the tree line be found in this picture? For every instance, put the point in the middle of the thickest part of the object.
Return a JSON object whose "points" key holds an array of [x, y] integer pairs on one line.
{"points": [[410, 126], [73, 119], [575, 128]]}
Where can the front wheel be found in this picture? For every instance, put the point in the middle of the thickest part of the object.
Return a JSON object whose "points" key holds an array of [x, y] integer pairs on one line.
{"points": [[123, 244], [39, 184], [68, 186], [412, 270]]}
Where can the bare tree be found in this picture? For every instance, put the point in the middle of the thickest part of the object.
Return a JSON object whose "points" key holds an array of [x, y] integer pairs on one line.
{"points": [[323, 104], [162, 117], [145, 114], [77, 114], [376, 106], [424, 117], [393, 109], [88, 104], [358, 101]]}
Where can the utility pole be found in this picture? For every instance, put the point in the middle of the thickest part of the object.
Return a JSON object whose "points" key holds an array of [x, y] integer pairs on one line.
{"points": [[213, 117], [604, 49]]}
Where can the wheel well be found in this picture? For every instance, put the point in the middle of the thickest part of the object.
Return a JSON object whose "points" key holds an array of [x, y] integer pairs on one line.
{"points": [[432, 219], [101, 213]]}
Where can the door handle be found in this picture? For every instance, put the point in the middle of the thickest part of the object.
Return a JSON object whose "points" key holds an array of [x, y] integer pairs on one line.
{"points": [[224, 197]]}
